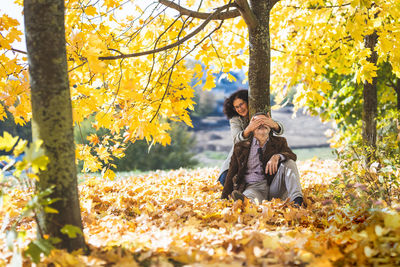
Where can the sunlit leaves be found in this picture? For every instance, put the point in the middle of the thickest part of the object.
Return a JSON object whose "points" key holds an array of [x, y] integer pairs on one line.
{"points": [[9, 31], [392, 220], [7, 141], [13, 79], [134, 96], [313, 37], [177, 216]]}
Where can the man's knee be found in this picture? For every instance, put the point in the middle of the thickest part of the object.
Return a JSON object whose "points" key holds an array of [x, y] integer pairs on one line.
{"points": [[254, 194], [291, 164], [290, 167]]}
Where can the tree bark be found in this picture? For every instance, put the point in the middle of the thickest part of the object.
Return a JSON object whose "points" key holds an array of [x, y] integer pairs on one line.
{"points": [[52, 115], [370, 97], [260, 58], [397, 89]]}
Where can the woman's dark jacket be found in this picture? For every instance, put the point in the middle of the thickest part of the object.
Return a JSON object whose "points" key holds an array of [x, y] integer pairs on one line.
{"points": [[238, 166]]}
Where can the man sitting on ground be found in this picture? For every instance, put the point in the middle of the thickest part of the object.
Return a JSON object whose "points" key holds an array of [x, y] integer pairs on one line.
{"points": [[263, 168]]}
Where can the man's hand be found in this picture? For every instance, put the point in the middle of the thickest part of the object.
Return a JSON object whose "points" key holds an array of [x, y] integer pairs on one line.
{"points": [[272, 165]]}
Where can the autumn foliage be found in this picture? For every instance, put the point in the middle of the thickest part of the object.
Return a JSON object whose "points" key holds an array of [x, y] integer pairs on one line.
{"points": [[134, 95], [174, 218]]}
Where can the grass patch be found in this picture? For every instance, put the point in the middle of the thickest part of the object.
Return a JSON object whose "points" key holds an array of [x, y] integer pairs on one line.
{"points": [[319, 152], [215, 155]]}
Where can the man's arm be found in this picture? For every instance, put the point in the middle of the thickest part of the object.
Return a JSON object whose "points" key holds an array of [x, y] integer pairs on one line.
{"points": [[286, 152]]}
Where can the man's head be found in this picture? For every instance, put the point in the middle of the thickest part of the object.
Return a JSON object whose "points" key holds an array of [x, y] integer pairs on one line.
{"points": [[266, 114], [261, 132]]}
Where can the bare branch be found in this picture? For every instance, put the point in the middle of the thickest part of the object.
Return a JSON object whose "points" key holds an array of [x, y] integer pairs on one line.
{"points": [[181, 41], [193, 48], [201, 15], [162, 73], [118, 88], [216, 52], [390, 83], [18, 51], [74, 68], [147, 21], [247, 13], [155, 45], [170, 75], [319, 7]]}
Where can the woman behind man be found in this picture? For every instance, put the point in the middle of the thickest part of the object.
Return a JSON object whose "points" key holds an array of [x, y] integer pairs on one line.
{"points": [[237, 110]]}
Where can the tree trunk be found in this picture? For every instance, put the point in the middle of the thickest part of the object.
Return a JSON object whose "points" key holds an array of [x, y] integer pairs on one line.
{"points": [[52, 115], [397, 89], [370, 97], [260, 58]]}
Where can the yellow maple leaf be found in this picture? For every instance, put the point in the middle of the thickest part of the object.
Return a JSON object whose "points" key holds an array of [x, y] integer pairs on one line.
{"points": [[7, 142], [91, 11], [109, 174]]}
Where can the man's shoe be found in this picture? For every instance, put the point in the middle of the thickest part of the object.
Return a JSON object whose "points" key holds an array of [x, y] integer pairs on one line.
{"points": [[236, 195], [298, 202]]}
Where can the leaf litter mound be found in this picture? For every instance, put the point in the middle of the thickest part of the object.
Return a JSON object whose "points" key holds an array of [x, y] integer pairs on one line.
{"points": [[176, 218]]}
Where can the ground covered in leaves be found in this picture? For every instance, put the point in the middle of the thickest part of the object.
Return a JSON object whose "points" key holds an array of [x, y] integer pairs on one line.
{"points": [[175, 218]]}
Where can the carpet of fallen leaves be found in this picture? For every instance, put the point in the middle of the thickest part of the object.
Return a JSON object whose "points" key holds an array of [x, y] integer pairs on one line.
{"points": [[175, 218]]}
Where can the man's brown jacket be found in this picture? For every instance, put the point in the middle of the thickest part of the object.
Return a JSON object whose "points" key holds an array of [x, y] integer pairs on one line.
{"points": [[238, 165]]}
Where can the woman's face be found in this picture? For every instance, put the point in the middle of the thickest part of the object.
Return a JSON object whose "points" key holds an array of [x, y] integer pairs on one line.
{"points": [[241, 107]]}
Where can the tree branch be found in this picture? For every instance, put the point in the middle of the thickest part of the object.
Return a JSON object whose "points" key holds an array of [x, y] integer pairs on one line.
{"points": [[319, 7], [247, 13], [170, 75], [391, 84], [80, 65], [201, 15], [187, 37], [155, 46], [18, 51]]}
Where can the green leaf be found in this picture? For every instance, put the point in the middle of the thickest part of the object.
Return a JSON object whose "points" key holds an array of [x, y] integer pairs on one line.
{"points": [[49, 201], [44, 245], [33, 251], [55, 240], [71, 230], [37, 247], [50, 210]]}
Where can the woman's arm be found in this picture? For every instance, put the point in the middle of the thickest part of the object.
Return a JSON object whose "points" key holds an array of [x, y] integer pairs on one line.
{"points": [[232, 171], [237, 129], [279, 130]]}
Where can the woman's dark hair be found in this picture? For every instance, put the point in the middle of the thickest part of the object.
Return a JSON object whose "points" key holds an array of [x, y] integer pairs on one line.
{"points": [[229, 109]]}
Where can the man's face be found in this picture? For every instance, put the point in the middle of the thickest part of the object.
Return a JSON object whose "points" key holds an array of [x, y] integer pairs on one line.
{"points": [[261, 132]]}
